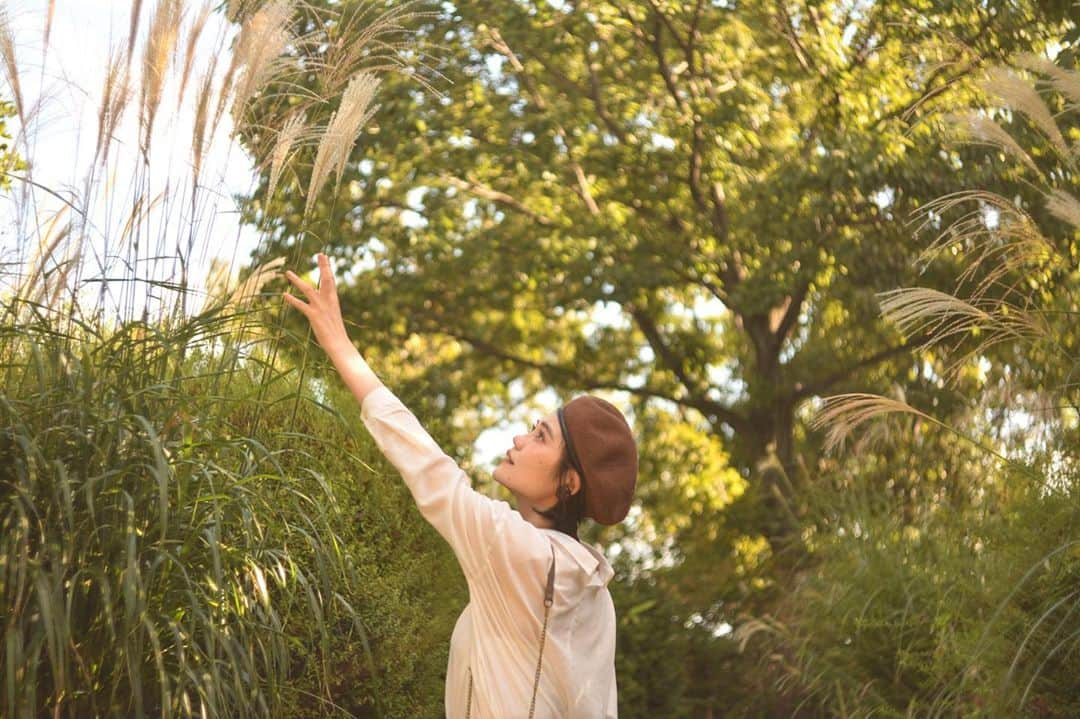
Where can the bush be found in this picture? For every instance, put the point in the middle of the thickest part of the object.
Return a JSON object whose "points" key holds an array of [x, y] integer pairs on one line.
{"points": [[179, 537]]}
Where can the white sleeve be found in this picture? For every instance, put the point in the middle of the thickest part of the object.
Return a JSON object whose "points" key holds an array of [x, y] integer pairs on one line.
{"points": [[484, 533]]}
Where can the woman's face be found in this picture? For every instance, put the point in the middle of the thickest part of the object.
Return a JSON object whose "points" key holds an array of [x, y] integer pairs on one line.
{"points": [[529, 469]]}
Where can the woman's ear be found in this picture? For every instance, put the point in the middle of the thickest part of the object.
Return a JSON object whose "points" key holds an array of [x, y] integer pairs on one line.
{"points": [[573, 481]]}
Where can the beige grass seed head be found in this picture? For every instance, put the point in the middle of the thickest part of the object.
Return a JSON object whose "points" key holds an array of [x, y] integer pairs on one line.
{"points": [[841, 414], [1019, 94], [10, 63], [160, 44], [263, 38], [286, 139], [341, 132]]}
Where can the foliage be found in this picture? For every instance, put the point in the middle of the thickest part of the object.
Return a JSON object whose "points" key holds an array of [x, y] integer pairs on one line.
{"points": [[968, 608], [164, 557], [690, 208], [9, 160]]}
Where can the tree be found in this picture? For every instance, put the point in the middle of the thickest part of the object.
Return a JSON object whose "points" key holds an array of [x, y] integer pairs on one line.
{"points": [[691, 204], [650, 157]]}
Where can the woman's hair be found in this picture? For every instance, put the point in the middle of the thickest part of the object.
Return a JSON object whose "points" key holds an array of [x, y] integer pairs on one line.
{"points": [[569, 509]]}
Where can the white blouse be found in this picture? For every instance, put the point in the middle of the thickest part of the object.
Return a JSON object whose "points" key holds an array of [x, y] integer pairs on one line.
{"points": [[505, 560]]}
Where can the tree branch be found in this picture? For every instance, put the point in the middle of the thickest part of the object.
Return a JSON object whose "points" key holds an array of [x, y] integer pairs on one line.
{"points": [[814, 388], [712, 410], [500, 45], [494, 195]]}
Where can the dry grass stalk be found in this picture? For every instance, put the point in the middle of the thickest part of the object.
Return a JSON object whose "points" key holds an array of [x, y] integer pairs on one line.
{"points": [[263, 38], [980, 127], [341, 132], [842, 413], [164, 30], [1067, 82], [140, 209], [35, 285], [11, 65], [286, 138], [194, 34], [1019, 95], [64, 269]]}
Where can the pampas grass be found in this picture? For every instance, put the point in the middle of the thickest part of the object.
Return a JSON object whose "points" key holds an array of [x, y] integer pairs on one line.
{"points": [[262, 40], [164, 31], [286, 139], [194, 33], [341, 133], [993, 300], [1067, 82], [977, 125], [159, 582], [1019, 95], [842, 413], [115, 95], [10, 63]]}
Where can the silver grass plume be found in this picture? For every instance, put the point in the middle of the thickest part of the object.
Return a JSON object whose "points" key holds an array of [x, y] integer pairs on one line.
{"points": [[164, 29], [194, 33], [115, 95], [1067, 82], [842, 413], [1019, 95], [1064, 206], [263, 38], [341, 132], [978, 126], [286, 139], [10, 63]]}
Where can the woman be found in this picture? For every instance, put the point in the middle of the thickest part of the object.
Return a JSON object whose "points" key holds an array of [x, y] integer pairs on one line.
{"points": [[537, 638]]}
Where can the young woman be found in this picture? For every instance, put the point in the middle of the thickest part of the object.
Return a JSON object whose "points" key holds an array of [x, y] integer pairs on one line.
{"points": [[537, 638]]}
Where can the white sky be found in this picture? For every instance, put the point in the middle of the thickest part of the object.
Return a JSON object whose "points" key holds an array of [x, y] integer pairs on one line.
{"points": [[68, 86]]}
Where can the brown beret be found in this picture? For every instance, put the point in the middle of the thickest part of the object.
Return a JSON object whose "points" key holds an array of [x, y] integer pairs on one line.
{"points": [[603, 451]]}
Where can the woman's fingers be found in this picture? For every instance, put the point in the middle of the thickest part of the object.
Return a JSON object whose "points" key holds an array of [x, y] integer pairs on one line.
{"points": [[297, 303], [304, 287], [326, 277]]}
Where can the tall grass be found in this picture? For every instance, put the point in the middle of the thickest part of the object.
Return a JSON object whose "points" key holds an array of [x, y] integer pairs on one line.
{"points": [[166, 547], [968, 606], [158, 558]]}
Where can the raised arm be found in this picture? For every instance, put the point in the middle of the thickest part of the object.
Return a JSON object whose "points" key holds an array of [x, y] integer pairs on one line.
{"points": [[469, 521]]}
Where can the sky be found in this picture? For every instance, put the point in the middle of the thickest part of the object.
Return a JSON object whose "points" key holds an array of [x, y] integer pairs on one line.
{"points": [[65, 85]]}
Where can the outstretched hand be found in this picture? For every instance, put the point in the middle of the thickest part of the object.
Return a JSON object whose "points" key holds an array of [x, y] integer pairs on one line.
{"points": [[322, 308]]}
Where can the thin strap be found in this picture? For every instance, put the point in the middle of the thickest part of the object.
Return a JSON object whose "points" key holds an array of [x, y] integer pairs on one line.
{"points": [[549, 599]]}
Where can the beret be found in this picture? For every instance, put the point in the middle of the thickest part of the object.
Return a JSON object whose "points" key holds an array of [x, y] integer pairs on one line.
{"points": [[603, 451]]}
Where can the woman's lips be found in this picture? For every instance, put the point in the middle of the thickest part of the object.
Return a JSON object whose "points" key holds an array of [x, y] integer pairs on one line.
{"points": [[508, 457]]}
